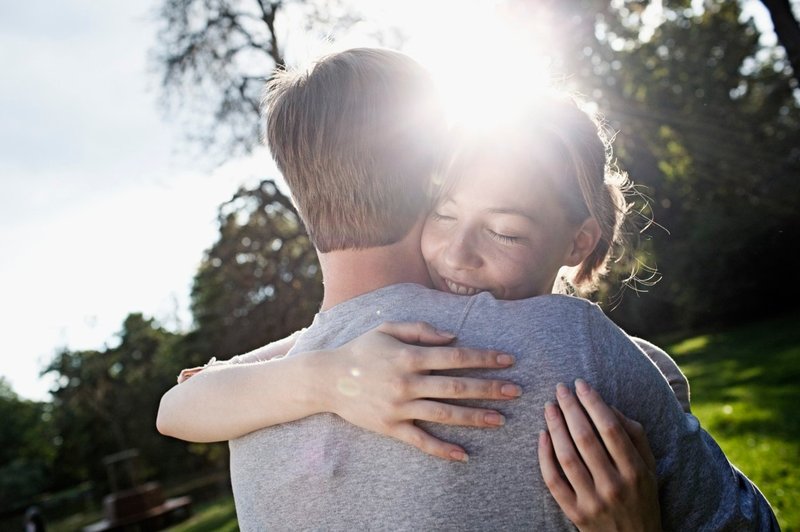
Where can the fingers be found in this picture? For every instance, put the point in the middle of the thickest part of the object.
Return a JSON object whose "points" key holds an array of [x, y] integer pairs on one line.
{"points": [[448, 414], [442, 387], [583, 435], [559, 488], [440, 358], [616, 440], [416, 332], [568, 457], [610, 485], [639, 439], [413, 435], [444, 358]]}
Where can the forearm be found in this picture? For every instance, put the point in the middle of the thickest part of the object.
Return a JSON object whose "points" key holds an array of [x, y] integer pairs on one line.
{"points": [[276, 349], [227, 401]]}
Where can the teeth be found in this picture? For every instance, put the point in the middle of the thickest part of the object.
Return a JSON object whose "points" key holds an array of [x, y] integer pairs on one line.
{"points": [[461, 289]]}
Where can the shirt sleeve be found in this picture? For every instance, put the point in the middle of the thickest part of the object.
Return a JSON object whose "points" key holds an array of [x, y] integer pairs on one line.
{"points": [[669, 368], [699, 489]]}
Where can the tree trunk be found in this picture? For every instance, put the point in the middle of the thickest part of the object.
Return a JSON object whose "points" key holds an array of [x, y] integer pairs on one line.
{"points": [[788, 31]]}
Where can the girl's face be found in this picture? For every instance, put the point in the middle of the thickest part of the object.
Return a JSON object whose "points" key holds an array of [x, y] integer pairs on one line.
{"points": [[499, 231]]}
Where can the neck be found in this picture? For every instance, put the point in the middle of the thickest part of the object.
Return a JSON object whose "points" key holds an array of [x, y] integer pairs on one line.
{"points": [[351, 273]]}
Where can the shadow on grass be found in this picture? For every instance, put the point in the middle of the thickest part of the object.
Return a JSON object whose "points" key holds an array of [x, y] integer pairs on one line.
{"points": [[744, 390], [757, 367]]}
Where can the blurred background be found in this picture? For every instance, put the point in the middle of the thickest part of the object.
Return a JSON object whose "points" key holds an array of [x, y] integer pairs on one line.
{"points": [[144, 228]]}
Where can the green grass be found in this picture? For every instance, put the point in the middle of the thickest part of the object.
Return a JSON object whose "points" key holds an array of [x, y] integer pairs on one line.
{"points": [[218, 515], [745, 392]]}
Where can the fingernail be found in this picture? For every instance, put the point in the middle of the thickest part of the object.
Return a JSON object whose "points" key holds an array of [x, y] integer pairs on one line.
{"points": [[550, 411], [561, 390], [581, 387], [459, 456], [445, 334], [504, 359], [511, 390], [493, 418]]}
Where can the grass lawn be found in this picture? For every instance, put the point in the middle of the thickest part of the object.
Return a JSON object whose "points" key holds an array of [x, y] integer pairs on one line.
{"points": [[744, 390], [218, 515]]}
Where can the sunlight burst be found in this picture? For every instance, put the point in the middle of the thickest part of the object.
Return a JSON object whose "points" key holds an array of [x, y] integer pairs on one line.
{"points": [[485, 58]]}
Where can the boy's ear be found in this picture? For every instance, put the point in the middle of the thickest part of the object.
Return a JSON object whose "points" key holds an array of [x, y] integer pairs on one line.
{"points": [[584, 240]]}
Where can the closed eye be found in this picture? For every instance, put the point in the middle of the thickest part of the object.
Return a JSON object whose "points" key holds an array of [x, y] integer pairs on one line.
{"points": [[505, 239], [441, 217]]}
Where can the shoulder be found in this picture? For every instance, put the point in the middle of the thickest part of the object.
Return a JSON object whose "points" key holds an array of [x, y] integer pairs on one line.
{"points": [[401, 294], [560, 312], [670, 369], [549, 303]]}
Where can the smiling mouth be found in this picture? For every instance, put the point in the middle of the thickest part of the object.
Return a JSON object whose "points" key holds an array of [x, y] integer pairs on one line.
{"points": [[461, 289]]}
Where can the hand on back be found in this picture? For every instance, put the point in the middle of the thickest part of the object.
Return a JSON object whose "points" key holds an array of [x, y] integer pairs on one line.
{"points": [[383, 384], [598, 467]]}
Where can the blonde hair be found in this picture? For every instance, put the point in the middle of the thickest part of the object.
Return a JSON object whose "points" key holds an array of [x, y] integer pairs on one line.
{"points": [[558, 134], [357, 137]]}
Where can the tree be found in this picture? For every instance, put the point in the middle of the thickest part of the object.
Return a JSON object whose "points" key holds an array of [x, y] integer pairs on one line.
{"points": [[260, 281], [214, 57], [106, 401], [788, 31], [27, 450], [708, 125], [713, 138]]}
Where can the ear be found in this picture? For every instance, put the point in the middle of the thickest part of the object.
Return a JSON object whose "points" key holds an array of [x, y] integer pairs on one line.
{"points": [[584, 240]]}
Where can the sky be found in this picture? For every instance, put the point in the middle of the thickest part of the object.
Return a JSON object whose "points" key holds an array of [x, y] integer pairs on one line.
{"points": [[103, 209]]}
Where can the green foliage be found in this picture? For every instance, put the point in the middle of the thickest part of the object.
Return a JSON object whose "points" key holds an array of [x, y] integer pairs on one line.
{"points": [[260, 281], [27, 451], [711, 133], [744, 391], [106, 401]]}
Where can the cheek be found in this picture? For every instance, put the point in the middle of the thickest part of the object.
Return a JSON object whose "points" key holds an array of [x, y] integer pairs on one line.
{"points": [[516, 269], [430, 241]]}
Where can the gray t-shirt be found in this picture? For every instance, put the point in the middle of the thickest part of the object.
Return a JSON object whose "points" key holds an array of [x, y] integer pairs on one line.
{"points": [[322, 473]]}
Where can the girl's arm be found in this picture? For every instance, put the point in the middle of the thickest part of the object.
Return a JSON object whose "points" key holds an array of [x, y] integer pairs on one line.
{"points": [[272, 350], [378, 381]]}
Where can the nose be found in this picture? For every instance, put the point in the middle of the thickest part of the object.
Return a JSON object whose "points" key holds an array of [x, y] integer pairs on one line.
{"points": [[461, 253]]}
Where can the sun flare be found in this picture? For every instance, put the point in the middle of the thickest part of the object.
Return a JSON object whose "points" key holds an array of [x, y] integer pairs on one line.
{"points": [[486, 62]]}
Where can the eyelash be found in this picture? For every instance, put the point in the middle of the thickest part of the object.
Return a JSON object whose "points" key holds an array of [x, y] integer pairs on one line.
{"points": [[503, 238], [436, 216]]}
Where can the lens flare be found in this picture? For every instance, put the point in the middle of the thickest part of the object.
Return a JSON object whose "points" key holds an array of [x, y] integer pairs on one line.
{"points": [[487, 59]]}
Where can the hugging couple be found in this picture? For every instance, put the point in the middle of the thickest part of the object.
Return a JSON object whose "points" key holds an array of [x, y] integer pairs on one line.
{"points": [[443, 385]]}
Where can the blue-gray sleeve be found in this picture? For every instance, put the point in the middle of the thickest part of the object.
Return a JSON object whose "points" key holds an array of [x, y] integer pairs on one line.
{"points": [[669, 368], [699, 489]]}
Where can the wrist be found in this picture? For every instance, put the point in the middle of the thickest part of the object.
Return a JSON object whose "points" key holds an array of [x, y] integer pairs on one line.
{"points": [[316, 382]]}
